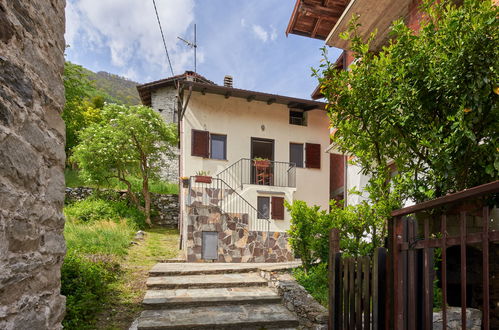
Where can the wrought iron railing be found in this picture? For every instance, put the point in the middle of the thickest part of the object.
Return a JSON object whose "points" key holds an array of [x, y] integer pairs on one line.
{"points": [[209, 191], [246, 171]]}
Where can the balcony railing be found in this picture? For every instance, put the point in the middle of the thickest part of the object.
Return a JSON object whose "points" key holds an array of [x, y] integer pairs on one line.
{"points": [[249, 171]]}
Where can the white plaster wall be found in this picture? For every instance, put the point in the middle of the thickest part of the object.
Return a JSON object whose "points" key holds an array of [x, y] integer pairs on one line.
{"points": [[357, 180], [240, 121]]}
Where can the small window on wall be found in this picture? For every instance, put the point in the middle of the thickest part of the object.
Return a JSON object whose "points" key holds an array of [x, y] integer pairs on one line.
{"points": [[270, 207], [297, 117], [296, 154], [218, 146], [263, 207]]}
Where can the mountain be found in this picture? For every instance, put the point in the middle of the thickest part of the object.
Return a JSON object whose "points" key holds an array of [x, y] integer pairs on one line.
{"points": [[120, 89]]}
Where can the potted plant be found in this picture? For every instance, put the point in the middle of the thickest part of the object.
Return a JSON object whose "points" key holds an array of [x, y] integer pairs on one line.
{"points": [[261, 162], [185, 181], [203, 177]]}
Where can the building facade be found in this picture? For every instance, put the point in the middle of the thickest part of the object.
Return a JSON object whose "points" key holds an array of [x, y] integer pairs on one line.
{"points": [[242, 156]]}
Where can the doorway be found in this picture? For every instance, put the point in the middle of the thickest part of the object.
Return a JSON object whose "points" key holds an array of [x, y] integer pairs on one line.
{"points": [[262, 148]]}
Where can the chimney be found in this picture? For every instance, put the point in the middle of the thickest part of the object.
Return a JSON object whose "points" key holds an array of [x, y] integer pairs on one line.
{"points": [[228, 81]]}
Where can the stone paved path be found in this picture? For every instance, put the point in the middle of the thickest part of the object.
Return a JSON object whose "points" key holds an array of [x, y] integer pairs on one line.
{"points": [[213, 296]]}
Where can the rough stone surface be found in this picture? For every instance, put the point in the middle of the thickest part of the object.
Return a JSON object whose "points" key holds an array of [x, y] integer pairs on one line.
{"points": [[31, 163], [473, 319], [164, 101], [166, 205], [235, 242], [311, 314]]}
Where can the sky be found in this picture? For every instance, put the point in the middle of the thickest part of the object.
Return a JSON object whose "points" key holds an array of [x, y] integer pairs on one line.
{"points": [[242, 38]]}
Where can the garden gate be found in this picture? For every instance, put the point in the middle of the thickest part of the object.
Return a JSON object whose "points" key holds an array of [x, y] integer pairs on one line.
{"points": [[460, 222]]}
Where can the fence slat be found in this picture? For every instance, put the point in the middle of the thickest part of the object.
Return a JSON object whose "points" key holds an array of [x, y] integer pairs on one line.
{"points": [[411, 277], [379, 289], [334, 286], [358, 294], [346, 305], [443, 267], [427, 270], [463, 269], [485, 268], [351, 292], [366, 298]]}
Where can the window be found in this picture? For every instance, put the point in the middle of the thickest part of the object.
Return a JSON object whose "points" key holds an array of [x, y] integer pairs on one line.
{"points": [[200, 143], [313, 155], [218, 146], [297, 117], [296, 154], [263, 207], [273, 205]]}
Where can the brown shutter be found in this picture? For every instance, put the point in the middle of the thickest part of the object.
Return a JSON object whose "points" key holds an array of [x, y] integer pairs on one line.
{"points": [[200, 143], [313, 155], [278, 208]]}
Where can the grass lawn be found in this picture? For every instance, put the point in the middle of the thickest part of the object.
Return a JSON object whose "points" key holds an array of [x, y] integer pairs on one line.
{"points": [[73, 180], [124, 304]]}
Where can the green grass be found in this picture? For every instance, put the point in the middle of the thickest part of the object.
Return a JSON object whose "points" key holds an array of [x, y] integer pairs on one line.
{"points": [[73, 180], [102, 237]]}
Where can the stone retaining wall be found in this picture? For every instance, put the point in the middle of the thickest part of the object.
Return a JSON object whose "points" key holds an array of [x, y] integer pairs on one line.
{"points": [[235, 242], [32, 160], [473, 319], [167, 205], [311, 314]]}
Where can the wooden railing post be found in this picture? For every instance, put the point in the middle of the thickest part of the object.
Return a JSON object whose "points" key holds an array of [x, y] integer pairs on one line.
{"points": [[334, 279]]}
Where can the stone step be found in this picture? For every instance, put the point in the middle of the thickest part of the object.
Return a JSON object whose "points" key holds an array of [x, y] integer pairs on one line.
{"points": [[163, 299], [168, 269], [268, 316], [206, 281]]}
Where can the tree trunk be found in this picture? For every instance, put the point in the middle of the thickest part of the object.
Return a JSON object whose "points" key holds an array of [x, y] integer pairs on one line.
{"points": [[147, 199]]}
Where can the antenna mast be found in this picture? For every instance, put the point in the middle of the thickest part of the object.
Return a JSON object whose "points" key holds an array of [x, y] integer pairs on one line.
{"points": [[193, 45]]}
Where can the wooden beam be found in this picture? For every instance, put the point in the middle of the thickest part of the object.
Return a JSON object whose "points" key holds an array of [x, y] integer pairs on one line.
{"points": [[203, 91], [271, 100], [227, 95], [318, 11], [318, 22], [250, 98]]}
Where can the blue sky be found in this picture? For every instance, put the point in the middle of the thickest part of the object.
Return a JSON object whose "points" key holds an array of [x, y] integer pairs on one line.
{"points": [[245, 39]]}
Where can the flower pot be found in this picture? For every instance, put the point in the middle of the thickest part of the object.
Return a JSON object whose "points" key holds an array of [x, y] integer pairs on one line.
{"points": [[203, 179], [262, 163], [185, 183]]}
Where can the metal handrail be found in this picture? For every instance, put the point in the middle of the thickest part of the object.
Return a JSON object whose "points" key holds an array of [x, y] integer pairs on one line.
{"points": [[244, 172], [223, 186]]}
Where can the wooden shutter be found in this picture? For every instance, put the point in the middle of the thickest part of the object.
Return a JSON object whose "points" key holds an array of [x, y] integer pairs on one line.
{"points": [[200, 143], [278, 208], [313, 155]]}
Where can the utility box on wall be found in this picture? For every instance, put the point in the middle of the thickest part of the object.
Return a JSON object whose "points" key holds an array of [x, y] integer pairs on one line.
{"points": [[210, 245]]}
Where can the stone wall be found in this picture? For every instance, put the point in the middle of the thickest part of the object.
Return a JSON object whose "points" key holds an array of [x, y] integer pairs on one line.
{"points": [[235, 242], [167, 205], [32, 136], [164, 101], [473, 319]]}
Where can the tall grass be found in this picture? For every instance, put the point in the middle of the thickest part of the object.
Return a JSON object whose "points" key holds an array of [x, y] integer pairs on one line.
{"points": [[73, 180], [102, 237]]}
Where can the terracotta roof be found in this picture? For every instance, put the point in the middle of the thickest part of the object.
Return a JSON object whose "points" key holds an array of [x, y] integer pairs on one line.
{"points": [[315, 18], [228, 92], [145, 89]]}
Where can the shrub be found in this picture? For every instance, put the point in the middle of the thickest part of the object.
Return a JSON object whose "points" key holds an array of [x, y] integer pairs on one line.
{"points": [[94, 209], [103, 237], [314, 281], [85, 285]]}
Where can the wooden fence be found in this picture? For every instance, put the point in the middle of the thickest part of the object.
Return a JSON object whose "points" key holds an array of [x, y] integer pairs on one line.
{"points": [[394, 288]]}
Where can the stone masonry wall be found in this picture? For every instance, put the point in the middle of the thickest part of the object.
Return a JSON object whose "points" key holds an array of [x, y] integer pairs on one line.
{"points": [[164, 101], [235, 242], [32, 136], [166, 205]]}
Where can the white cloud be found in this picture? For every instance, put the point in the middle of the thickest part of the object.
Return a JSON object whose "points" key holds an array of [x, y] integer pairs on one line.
{"points": [[128, 29], [260, 32], [273, 34]]}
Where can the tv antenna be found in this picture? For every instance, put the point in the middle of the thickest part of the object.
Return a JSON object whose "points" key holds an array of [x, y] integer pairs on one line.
{"points": [[193, 45]]}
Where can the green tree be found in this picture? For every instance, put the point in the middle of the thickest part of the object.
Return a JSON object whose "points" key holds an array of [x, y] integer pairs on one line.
{"points": [[83, 103], [128, 141], [427, 101]]}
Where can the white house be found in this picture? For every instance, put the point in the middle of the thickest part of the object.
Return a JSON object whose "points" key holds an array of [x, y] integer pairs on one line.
{"points": [[222, 130]]}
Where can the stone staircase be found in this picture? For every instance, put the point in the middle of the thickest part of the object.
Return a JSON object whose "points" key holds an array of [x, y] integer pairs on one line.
{"points": [[212, 297]]}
